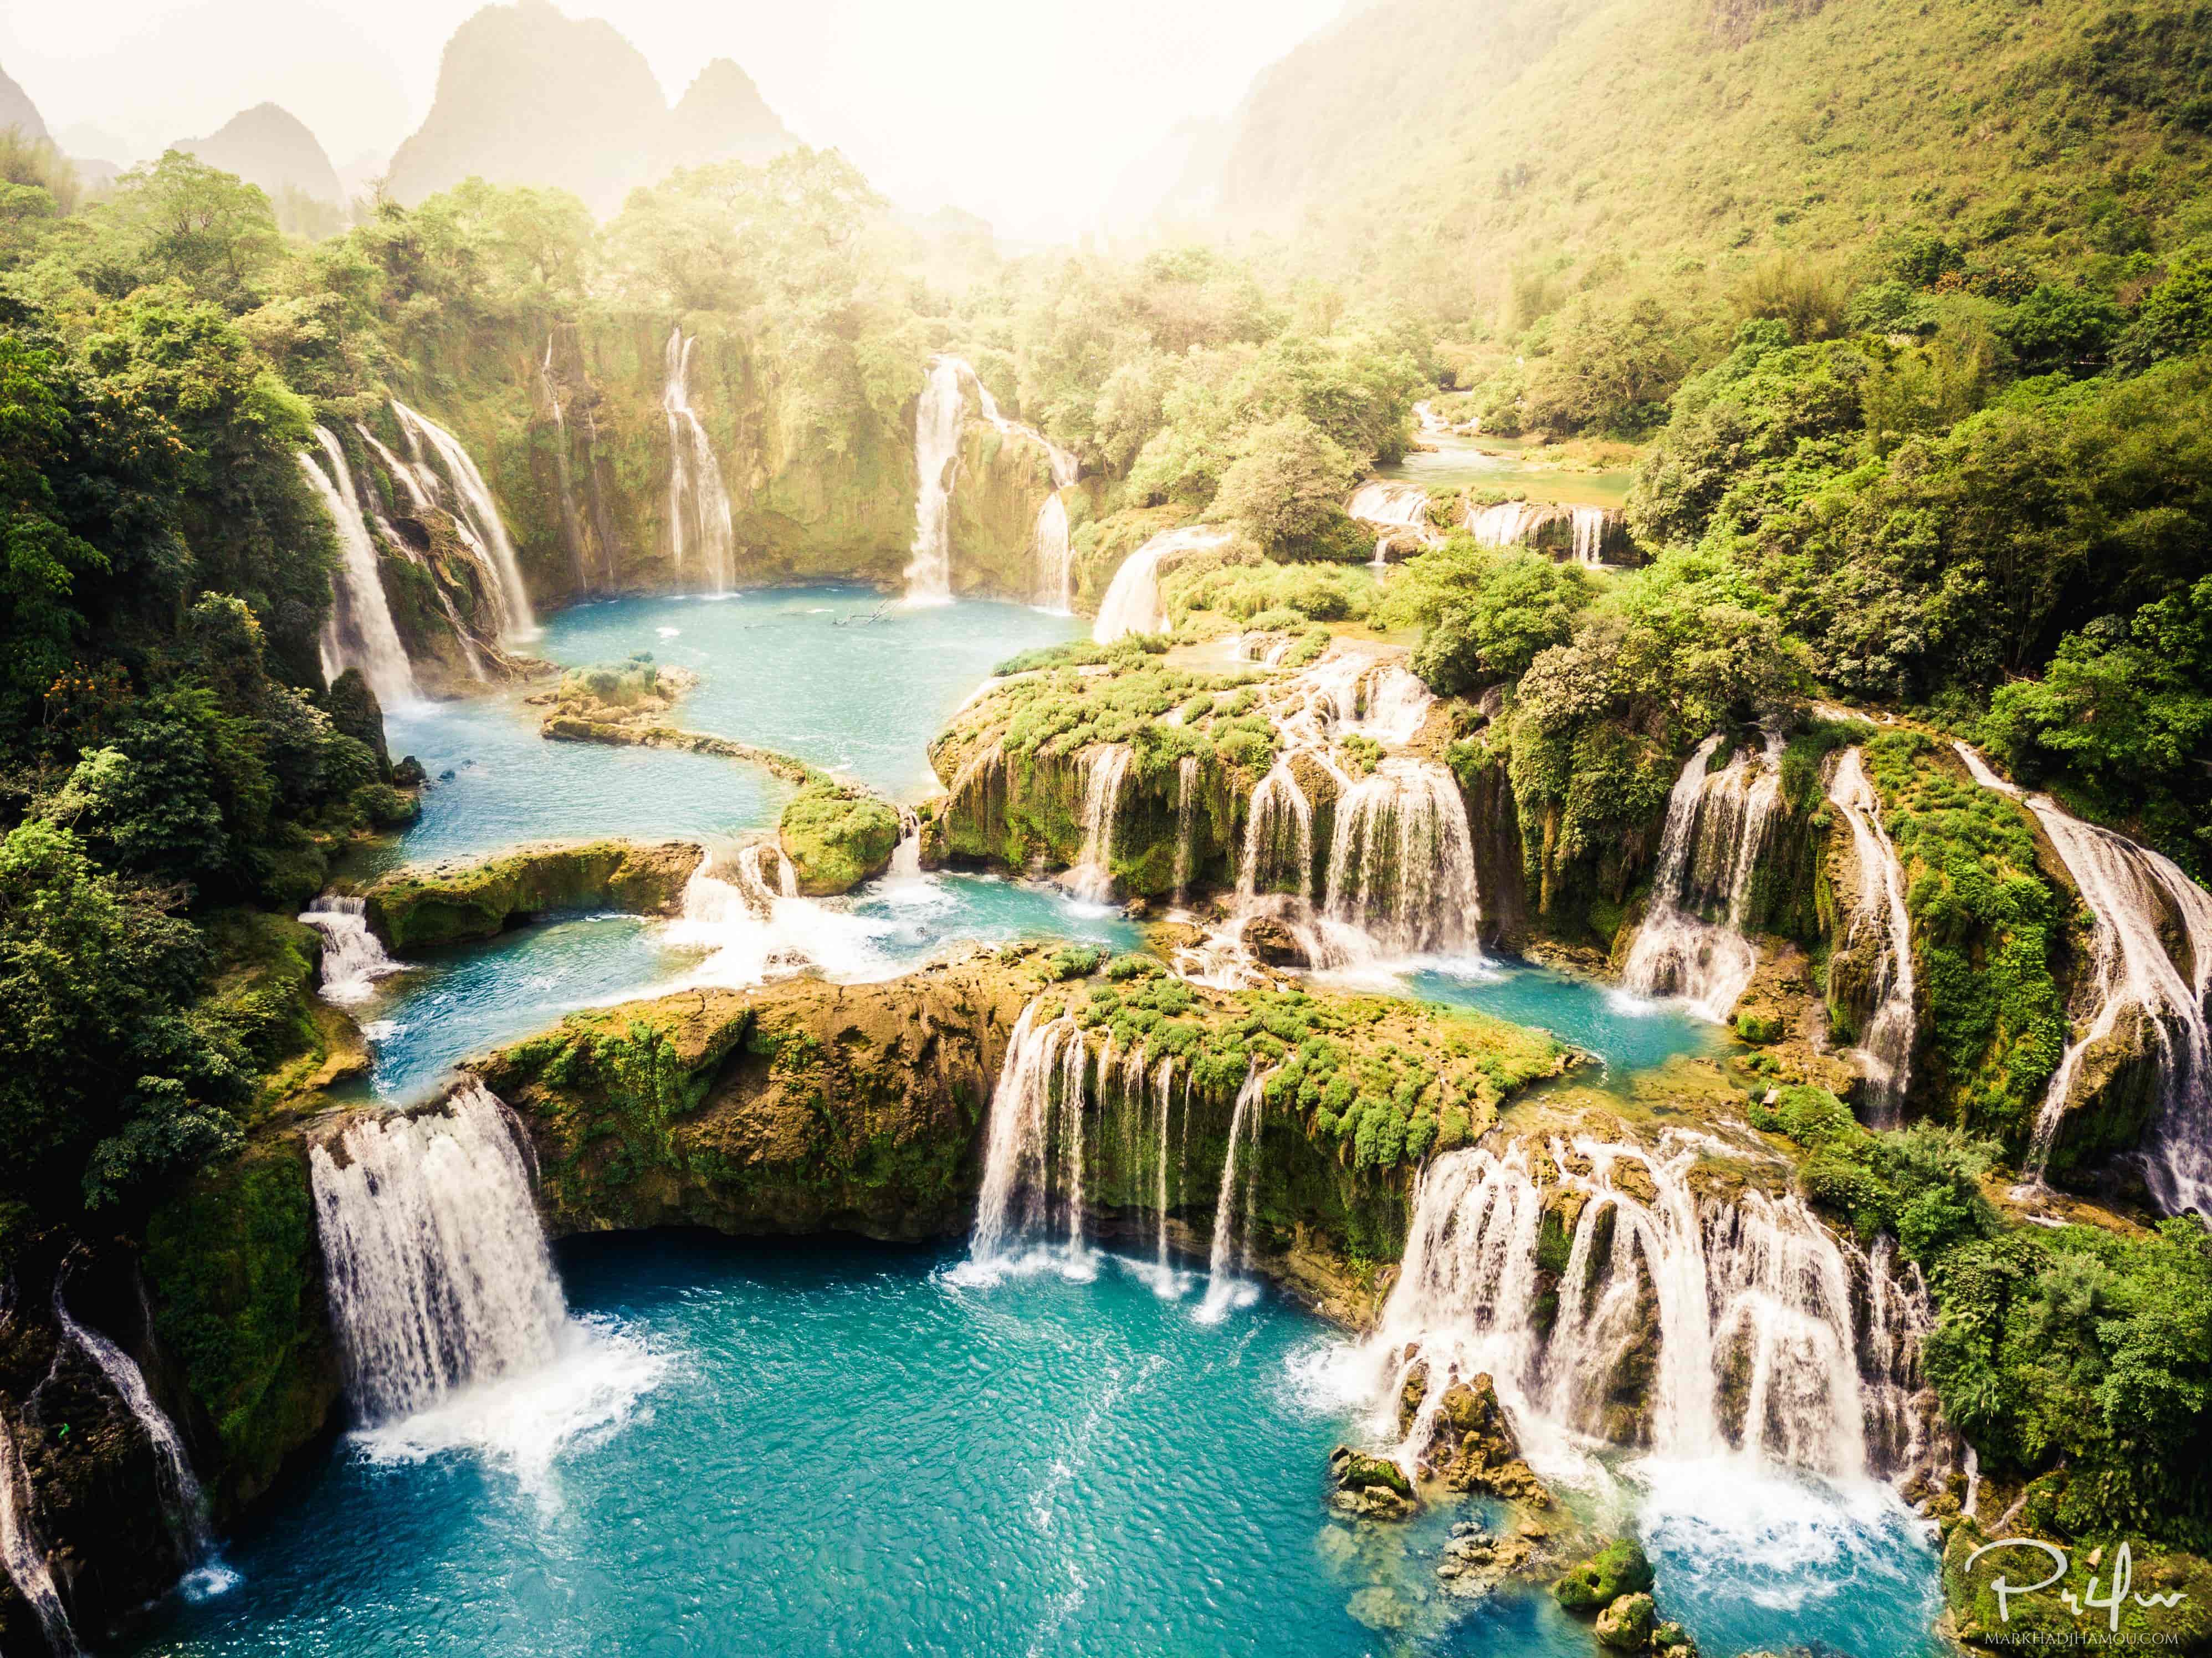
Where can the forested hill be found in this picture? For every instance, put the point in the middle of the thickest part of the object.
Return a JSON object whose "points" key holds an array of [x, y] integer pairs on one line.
{"points": [[1449, 151]]}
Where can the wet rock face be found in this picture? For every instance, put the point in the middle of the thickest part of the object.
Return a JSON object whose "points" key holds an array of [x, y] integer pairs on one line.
{"points": [[1273, 943], [1472, 1445]]}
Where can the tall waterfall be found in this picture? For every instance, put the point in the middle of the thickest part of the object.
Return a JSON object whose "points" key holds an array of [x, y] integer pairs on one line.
{"points": [[937, 419], [409, 476], [1590, 534], [24, 1553], [2131, 891], [184, 1506], [1106, 770], [1055, 559], [1279, 840], [353, 958], [1401, 861], [1758, 1313], [438, 1269], [476, 516], [1033, 1153], [359, 632], [1878, 913], [571, 531], [1186, 841], [1132, 603], [1039, 1151], [698, 504], [1231, 1252], [1717, 827]]}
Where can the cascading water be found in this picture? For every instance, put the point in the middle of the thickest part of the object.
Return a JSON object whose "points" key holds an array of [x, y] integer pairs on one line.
{"points": [[745, 911], [1717, 827], [1758, 1343], [1505, 525], [24, 1554], [1590, 534], [1401, 861], [1106, 770], [1055, 559], [438, 1270], [1278, 843], [1390, 507], [359, 631], [698, 504], [571, 531], [1132, 603], [410, 476], [184, 1506], [353, 958], [937, 418], [477, 517], [1397, 705], [1033, 1151], [1186, 824], [1878, 913], [1231, 1252]]}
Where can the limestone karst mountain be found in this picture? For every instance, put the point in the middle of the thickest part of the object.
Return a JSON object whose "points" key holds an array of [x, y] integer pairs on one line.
{"points": [[17, 111], [528, 96], [270, 147], [723, 117]]}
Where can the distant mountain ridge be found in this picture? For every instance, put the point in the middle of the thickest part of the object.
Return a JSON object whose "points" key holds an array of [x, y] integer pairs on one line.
{"points": [[529, 96], [269, 146], [17, 111]]}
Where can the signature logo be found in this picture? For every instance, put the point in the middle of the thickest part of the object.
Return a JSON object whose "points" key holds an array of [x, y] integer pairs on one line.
{"points": [[2110, 1601]]}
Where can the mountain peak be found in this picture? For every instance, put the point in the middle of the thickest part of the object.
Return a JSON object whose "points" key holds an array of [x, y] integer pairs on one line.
{"points": [[17, 111], [270, 147]]}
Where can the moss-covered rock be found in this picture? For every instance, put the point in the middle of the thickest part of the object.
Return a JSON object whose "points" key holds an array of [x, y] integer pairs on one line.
{"points": [[235, 1278], [836, 836], [414, 909], [1626, 1625], [1619, 1568]]}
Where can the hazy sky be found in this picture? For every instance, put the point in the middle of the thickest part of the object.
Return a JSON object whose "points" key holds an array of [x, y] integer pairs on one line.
{"points": [[1024, 110]]}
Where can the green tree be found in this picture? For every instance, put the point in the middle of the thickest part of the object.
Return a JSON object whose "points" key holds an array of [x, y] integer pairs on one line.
{"points": [[179, 220], [1287, 483]]}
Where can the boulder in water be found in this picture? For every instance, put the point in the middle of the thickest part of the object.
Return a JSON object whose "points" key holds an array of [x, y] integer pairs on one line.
{"points": [[1619, 1568], [1626, 1625], [836, 836], [1370, 1487], [1472, 1444], [1273, 943]]}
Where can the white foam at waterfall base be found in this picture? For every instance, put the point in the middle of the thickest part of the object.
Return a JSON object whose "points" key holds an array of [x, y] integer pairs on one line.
{"points": [[744, 912], [453, 1329]]}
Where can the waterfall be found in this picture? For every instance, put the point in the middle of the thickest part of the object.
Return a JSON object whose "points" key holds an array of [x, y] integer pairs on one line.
{"points": [[1106, 770], [1590, 534], [184, 1506], [438, 1270], [1163, 1092], [1232, 1207], [1505, 525], [24, 1554], [1401, 861], [2129, 891], [1887, 1039], [1391, 507], [906, 856], [1278, 843], [1397, 705], [353, 958], [1186, 824], [937, 419], [358, 632], [746, 913], [698, 504], [404, 474], [477, 519], [1758, 1346], [571, 529], [1717, 827], [1032, 1164], [1055, 560], [1132, 603]]}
